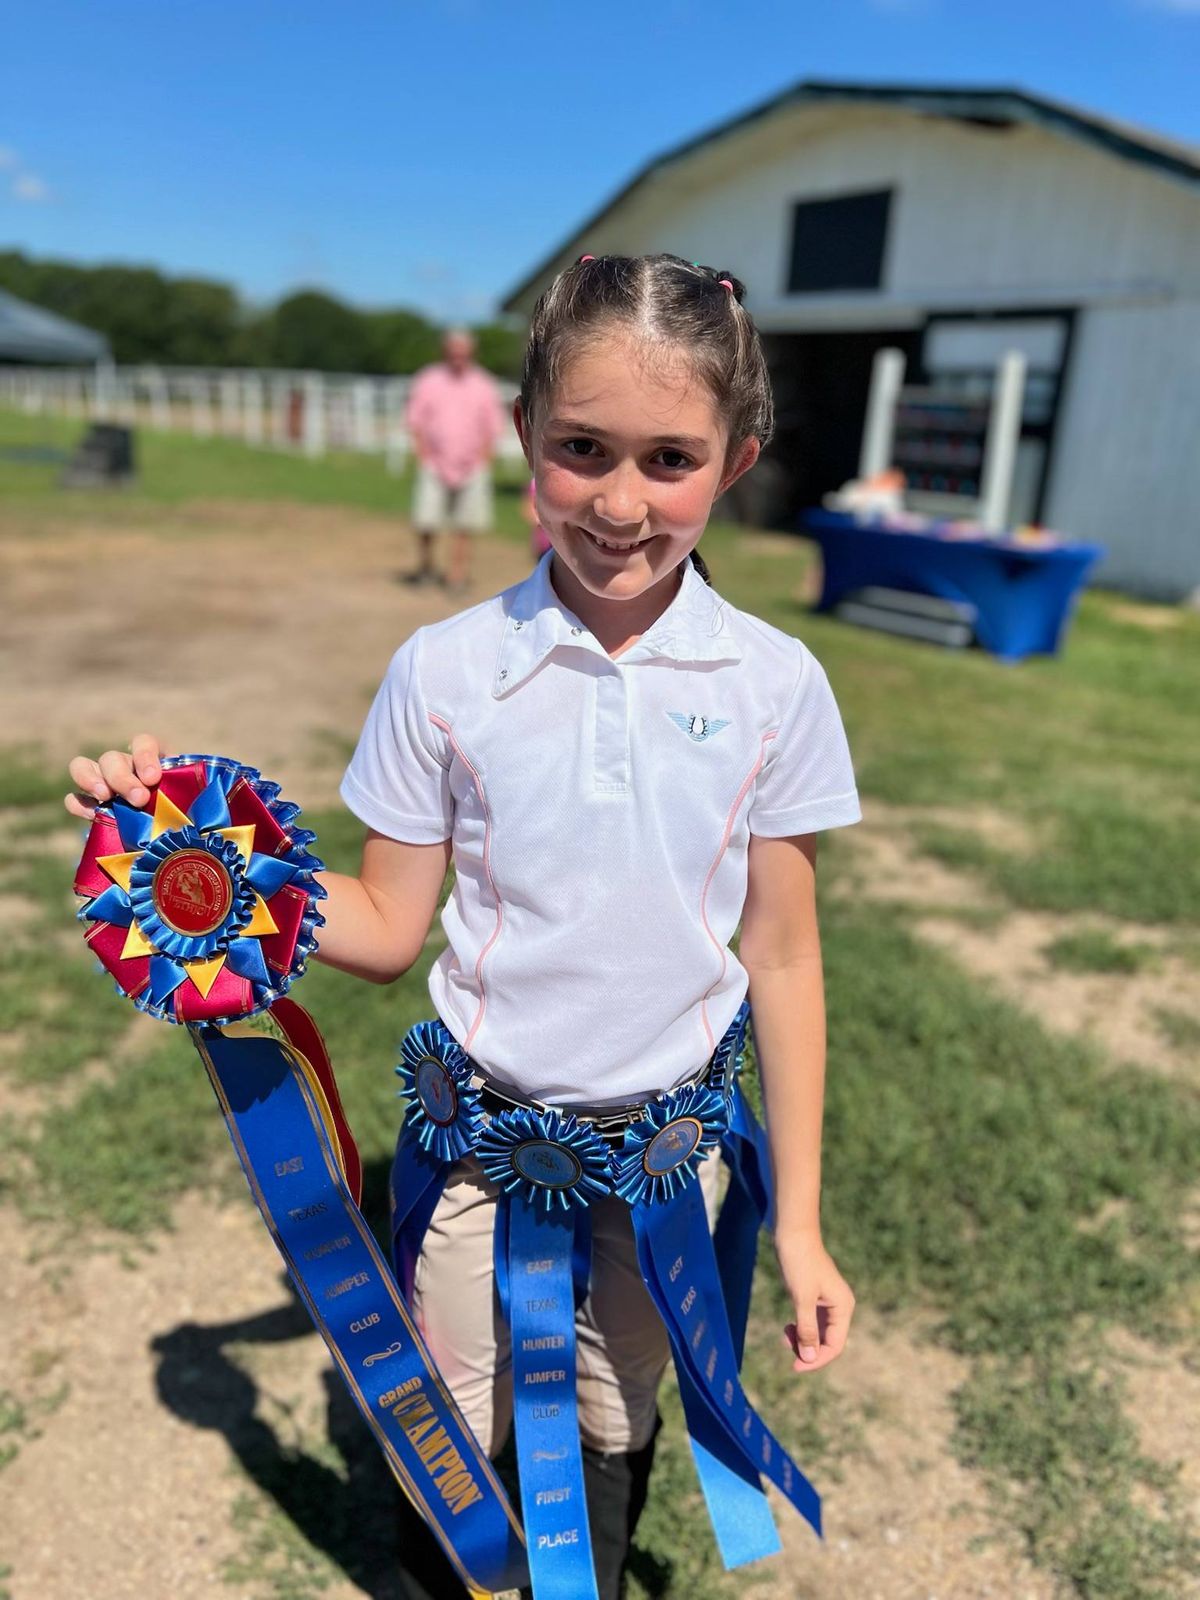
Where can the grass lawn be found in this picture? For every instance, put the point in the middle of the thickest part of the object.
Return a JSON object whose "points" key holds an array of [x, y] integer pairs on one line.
{"points": [[1022, 1192]]}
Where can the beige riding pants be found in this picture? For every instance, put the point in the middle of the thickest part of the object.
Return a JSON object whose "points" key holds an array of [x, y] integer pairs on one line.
{"points": [[621, 1344]]}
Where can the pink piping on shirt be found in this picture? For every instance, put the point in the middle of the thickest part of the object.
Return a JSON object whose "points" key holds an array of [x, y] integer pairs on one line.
{"points": [[712, 872], [487, 868]]}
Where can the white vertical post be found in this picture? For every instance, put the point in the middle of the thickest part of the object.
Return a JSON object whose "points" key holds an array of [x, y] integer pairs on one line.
{"points": [[160, 406], [280, 394], [102, 386], [887, 377], [252, 408], [397, 433], [230, 396], [1000, 447], [364, 415], [314, 414], [202, 422]]}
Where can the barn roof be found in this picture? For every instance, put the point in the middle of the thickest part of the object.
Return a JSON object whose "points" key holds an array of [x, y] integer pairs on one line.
{"points": [[994, 107], [27, 333]]}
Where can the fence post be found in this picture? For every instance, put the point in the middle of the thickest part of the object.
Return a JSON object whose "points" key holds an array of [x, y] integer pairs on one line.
{"points": [[397, 433], [156, 391], [252, 408], [229, 397], [202, 421], [314, 414]]}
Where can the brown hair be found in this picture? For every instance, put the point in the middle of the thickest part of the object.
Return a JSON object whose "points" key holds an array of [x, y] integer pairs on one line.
{"points": [[669, 302], [666, 301]]}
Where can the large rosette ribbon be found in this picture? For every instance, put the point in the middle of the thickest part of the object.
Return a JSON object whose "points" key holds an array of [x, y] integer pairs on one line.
{"points": [[203, 907]]}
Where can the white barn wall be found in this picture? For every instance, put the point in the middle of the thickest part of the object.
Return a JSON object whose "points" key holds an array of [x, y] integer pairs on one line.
{"points": [[1126, 467]]}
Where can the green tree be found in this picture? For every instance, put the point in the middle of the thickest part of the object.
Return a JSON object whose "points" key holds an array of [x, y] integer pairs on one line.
{"points": [[398, 341], [311, 330], [500, 348]]}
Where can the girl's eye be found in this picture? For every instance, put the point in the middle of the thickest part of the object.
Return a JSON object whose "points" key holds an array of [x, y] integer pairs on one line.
{"points": [[579, 447], [674, 459]]}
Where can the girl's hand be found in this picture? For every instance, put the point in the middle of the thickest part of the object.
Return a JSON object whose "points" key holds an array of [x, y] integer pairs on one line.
{"points": [[116, 773], [823, 1300]]}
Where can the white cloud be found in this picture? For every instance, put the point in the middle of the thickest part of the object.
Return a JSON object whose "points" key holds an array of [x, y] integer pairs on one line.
{"points": [[29, 187]]}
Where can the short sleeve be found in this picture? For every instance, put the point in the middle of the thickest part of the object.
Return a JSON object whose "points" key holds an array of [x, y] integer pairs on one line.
{"points": [[807, 781], [397, 782]]}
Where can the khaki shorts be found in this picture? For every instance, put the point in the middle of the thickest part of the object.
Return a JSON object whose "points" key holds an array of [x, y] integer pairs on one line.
{"points": [[621, 1344], [467, 509]]}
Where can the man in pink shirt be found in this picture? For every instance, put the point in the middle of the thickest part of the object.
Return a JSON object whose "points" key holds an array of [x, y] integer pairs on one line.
{"points": [[454, 421]]}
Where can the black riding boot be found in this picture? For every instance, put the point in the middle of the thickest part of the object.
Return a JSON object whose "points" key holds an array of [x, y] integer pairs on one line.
{"points": [[615, 1486], [425, 1573]]}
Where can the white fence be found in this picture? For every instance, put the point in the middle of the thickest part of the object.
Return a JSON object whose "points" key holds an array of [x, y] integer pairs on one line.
{"points": [[308, 412]]}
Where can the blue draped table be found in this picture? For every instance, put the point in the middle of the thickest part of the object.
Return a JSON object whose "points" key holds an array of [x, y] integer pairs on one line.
{"points": [[1022, 594]]}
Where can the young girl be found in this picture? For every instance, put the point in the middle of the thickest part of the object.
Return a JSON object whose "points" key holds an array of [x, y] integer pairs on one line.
{"points": [[623, 768]]}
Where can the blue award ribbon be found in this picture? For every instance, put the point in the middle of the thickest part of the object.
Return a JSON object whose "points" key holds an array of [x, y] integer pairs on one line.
{"points": [[676, 1253], [541, 1301], [278, 1121], [746, 1209]]}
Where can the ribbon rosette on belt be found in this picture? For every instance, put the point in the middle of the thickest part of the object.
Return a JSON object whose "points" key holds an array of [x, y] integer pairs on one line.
{"points": [[441, 1106], [549, 1158], [663, 1152], [203, 908]]}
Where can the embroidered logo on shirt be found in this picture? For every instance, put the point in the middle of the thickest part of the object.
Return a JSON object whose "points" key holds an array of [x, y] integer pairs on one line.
{"points": [[697, 727]]}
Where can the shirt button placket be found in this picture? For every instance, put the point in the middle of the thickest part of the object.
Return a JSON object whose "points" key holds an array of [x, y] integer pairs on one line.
{"points": [[612, 731]]}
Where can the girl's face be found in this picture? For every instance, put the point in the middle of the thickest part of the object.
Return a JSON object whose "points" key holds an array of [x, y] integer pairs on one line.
{"points": [[629, 456]]}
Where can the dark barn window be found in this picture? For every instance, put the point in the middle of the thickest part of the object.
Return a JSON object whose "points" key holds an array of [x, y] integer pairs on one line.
{"points": [[839, 244]]}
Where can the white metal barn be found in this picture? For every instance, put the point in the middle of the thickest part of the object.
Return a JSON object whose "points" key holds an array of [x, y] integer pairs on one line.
{"points": [[956, 224]]}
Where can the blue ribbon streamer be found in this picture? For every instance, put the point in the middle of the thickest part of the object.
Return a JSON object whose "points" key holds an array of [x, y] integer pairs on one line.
{"points": [[747, 1207], [278, 1130], [680, 1269], [541, 1244], [417, 1181]]}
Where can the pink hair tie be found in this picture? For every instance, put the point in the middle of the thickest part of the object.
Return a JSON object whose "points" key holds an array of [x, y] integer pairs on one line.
{"points": [[582, 259], [725, 284]]}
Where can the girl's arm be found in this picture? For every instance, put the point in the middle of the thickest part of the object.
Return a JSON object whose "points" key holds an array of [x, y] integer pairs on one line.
{"points": [[781, 950], [375, 924]]}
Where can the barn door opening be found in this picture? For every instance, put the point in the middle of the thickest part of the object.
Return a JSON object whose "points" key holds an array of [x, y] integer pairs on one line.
{"points": [[821, 382]]}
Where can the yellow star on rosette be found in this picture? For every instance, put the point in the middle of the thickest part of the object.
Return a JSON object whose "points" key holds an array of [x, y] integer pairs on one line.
{"points": [[136, 944], [261, 921], [242, 838], [205, 973], [120, 867], [167, 815]]}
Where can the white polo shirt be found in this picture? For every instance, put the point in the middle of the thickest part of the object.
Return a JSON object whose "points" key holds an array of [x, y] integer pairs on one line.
{"points": [[601, 812]]}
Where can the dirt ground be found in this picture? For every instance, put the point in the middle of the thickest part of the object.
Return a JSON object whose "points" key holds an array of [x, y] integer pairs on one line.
{"points": [[138, 1367]]}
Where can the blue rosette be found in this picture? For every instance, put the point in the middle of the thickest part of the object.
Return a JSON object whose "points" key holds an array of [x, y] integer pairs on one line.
{"points": [[661, 1154], [441, 1105], [549, 1157]]}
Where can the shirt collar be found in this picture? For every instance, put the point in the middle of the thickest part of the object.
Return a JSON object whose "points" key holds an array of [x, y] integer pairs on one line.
{"points": [[694, 627]]}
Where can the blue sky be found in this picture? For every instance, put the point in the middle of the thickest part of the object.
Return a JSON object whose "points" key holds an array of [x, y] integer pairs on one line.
{"points": [[429, 152]]}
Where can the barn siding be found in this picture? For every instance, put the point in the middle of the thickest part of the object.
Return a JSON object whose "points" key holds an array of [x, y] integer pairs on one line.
{"points": [[1126, 465]]}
